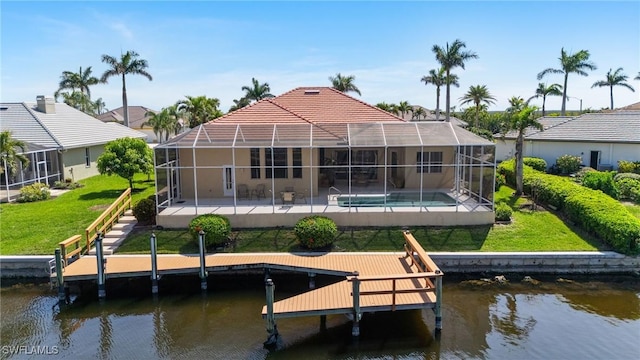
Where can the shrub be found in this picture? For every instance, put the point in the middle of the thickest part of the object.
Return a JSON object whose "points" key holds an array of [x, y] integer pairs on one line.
{"points": [[503, 212], [315, 231], [536, 163], [629, 189], [629, 166], [34, 192], [601, 180], [145, 211], [620, 176], [500, 180], [216, 228], [568, 164]]}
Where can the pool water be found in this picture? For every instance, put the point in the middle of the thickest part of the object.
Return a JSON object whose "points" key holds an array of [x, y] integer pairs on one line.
{"points": [[397, 199]]}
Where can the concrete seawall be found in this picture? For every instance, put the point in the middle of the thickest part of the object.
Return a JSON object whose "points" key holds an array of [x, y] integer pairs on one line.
{"points": [[587, 262]]}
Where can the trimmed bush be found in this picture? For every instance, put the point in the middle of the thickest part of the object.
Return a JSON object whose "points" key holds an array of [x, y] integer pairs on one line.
{"points": [[145, 211], [629, 166], [568, 164], [536, 163], [34, 192], [315, 231], [503, 212], [601, 180], [216, 229], [500, 180], [620, 176], [629, 189]]}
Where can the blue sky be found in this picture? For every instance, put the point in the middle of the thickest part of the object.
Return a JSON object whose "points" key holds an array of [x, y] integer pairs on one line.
{"points": [[214, 48]]}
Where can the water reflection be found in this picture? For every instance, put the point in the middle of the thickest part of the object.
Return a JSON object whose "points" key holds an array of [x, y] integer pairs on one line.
{"points": [[512, 321]]}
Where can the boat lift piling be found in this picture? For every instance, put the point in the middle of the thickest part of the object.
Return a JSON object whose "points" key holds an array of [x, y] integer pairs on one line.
{"points": [[203, 271], [154, 264], [102, 292]]}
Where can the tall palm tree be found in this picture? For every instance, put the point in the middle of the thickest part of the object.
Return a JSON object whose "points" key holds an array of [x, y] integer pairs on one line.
{"points": [[451, 57], [543, 91], [80, 81], [516, 103], [163, 123], [79, 101], [404, 107], [10, 155], [129, 64], [257, 91], [570, 63], [99, 106], [519, 120], [199, 109], [439, 78], [239, 104], [616, 78], [344, 83], [417, 113], [477, 94]]}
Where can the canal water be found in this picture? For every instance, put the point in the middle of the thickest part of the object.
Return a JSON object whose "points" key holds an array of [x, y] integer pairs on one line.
{"points": [[581, 319]]}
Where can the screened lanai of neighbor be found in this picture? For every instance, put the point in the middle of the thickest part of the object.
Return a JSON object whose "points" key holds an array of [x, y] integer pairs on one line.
{"points": [[359, 174]]}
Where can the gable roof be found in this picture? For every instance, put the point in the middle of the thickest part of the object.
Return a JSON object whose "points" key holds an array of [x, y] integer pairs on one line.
{"points": [[137, 116], [546, 122], [430, 115], [66, 128], [613, 127]]}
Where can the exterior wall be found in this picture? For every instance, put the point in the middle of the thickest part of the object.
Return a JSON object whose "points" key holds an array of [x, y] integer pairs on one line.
{"points": [[73, 161], [442, 180], [506, 149]]}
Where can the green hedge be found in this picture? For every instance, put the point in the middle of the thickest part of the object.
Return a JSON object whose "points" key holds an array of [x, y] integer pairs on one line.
{"points": [[595, 211], [536, 163], [600, 180], [216, 229], [629, 166], [315, 231]]}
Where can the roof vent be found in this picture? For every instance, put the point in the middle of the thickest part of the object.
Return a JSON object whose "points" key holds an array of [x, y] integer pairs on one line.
{"points": [[312, 92], [46, 104], [3, 108]]}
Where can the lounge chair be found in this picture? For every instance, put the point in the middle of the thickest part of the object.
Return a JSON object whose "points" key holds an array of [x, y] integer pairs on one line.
{"points": [[259, 191], [301, 196], [288, 197], [243, 191]]}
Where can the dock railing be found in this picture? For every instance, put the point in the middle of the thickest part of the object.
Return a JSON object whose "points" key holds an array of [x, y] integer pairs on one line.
{"points": [[110, 216], [70, 248]]}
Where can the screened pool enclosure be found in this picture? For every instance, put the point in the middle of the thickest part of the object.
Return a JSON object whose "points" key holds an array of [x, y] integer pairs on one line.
{"points": [[229, 168]]}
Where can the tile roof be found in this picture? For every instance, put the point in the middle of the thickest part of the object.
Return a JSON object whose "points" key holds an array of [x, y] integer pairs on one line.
{"points": [[546, 121], [613, 127], [137, 116], [66, 128]]}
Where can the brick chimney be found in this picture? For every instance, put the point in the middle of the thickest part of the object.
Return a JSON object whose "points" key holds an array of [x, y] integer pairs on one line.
{"points": [[46, 104]]}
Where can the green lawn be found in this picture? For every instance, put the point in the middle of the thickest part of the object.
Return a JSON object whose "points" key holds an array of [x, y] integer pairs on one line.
{"points": [[530, 231], [37, 228], [633, 208]]}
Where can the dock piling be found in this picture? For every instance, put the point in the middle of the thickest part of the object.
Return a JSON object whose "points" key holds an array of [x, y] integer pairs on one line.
{"points": [[62, 294], [203, 271], [312, 280], [272, 327], [438, 308], [154, 264], [357, 315], [102, 292]]}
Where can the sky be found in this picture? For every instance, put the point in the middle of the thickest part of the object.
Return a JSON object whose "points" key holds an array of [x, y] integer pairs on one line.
{"points": [[215, 48]]}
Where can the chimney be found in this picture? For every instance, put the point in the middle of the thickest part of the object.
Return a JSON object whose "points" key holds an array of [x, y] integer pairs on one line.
{"points": [[46, 104]]}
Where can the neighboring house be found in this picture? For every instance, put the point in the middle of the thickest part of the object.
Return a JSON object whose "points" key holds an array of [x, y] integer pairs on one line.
{"points": [[430, 115], [137, 117], [62, 142], [600, 139], [320, 151]]}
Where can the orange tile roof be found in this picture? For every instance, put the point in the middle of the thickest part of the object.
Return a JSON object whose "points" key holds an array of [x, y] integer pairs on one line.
{"points": [[309, 105]]}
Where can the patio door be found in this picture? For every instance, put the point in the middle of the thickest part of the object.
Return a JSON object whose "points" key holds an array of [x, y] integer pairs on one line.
{"points": [[228, 180]]}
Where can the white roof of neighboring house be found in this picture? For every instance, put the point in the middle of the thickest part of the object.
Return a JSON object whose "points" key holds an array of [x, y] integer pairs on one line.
{"points": [[66, 128]]}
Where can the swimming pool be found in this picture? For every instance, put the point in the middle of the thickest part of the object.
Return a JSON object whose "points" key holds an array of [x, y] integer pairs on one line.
{"points": [[396, 199]]}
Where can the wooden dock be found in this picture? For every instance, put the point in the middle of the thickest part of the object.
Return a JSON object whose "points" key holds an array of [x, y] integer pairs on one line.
{"points": [[372, 282]]}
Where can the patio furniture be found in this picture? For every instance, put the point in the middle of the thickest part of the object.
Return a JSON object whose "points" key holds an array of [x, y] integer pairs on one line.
{"points": [[301, 196], [288, 197], [259, 191], [243, 191]]}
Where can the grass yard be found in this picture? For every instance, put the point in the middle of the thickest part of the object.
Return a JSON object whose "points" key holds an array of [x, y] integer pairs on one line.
{"points": [[37, 228], [633, 208], [530, 231]]}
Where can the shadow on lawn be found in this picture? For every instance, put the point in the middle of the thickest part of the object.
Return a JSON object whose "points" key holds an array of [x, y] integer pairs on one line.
{"points": [[104, 194]]}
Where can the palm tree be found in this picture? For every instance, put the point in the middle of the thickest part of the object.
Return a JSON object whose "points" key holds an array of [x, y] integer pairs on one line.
{"points": [[417, 113], [543, 90], [199, 109], [80, 81], [10, 157], [239, 104], [616, 78], [477, 94], [129, 64], [404, 107], [451, 57], [516, 103], [99, 106], [439, 78], [570, 63], [519, 120], [163, 123], [344, 83], [79, 101], [257, 91]]}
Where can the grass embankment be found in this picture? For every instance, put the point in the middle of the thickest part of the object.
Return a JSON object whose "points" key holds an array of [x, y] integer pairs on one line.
{"points": [[530, 231], [37, 228]]}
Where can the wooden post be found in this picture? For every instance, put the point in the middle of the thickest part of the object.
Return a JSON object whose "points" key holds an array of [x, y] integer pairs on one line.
{"points": [[438, 309], [272, 327], [154, 264], [312, 280], [203, 271], [323, 322], [355, 330], [62, 296], [102, 292]]}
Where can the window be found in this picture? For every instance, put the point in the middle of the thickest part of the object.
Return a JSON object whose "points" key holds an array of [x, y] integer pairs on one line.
{"points": [[297, 163], [87, 157], [277, 169], [429, 162], [255, 163]]}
